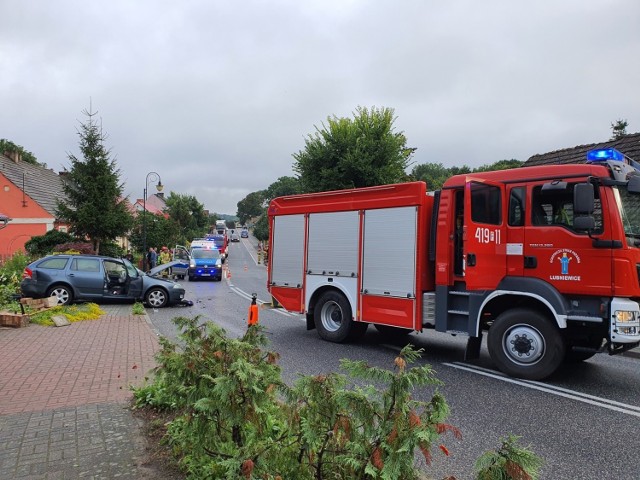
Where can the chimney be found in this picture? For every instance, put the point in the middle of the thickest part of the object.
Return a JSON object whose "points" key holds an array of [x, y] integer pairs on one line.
{"points": [[13, 155]]}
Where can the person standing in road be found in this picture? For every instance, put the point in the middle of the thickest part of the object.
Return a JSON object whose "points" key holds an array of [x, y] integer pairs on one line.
{"points": [[165, 256], [152, 258]]}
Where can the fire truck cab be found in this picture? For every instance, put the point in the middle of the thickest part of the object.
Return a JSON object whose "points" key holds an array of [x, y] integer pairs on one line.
{"points": [[545, 260]]}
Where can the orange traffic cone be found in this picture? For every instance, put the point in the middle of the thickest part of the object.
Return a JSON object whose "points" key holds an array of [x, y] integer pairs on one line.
{"points": [[252, 318]]}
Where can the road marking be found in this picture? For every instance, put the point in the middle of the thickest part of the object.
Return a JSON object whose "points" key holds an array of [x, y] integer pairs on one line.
{"points": [[248, 296], [246, 242], [553, 390]]}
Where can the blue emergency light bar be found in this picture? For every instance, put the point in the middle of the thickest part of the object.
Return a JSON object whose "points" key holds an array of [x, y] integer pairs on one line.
{"points": [[604, 154]]}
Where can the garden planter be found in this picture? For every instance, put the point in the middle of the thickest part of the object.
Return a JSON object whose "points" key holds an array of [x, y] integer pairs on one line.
{"points": [[15, 320]]}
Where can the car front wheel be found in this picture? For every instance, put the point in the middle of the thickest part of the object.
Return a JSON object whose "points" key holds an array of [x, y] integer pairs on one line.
{"points": [[64, 294], [156, 298]]}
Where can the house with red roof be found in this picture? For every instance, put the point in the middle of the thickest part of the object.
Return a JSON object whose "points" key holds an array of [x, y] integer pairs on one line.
{"points": [[28, 197]]}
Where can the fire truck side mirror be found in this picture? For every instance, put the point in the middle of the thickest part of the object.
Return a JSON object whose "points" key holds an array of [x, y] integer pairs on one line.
{"points": [[583, 205], [634, 184], [583, 199]]}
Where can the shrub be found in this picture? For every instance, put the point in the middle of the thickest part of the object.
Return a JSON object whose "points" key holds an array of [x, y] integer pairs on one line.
{"points": [[138, 309], [236, 418], [510, 461], [11, 276], [75, 247], [42, 245], [111, 250]]}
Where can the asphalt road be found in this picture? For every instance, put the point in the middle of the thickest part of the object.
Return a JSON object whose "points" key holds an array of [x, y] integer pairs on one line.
{"points": [[583, 420]]}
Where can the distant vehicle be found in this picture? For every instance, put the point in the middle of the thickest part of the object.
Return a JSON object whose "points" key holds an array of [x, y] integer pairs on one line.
{"points": [[234, 237], [244, 234], [221, 242], [94, 278]]}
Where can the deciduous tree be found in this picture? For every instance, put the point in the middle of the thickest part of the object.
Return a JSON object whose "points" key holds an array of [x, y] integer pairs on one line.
{"points": [[188, 215], [352, 153], [250, 206]]}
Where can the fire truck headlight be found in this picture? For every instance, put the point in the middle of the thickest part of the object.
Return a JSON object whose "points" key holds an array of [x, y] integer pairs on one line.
{"points": [[623, 316], [628, 322]]}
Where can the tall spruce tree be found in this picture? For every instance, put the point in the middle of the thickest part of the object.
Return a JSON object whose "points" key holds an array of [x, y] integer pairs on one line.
{"points": [[94, 206]]}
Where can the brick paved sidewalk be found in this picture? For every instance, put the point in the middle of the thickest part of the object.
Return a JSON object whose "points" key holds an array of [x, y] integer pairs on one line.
{"points": [[64, 394]]}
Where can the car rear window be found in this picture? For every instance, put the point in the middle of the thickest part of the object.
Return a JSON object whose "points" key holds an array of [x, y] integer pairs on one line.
{"points": [[53, 263]]}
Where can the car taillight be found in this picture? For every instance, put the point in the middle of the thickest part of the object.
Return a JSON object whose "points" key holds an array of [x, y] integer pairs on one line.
{"points": [[27, 273]]}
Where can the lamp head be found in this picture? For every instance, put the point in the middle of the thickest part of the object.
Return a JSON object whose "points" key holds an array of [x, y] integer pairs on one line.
{"points": [[159, 186]]}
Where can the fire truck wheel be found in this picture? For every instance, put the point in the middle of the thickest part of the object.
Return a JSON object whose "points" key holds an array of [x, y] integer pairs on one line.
{"points": [[524, 343], [332, 316]]}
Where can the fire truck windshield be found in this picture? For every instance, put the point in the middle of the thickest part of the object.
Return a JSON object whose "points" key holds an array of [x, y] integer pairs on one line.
{"points": [[629, 206]]}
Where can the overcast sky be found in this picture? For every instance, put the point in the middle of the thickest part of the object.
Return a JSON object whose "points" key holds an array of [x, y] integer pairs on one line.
{"points": [[217, 96]]}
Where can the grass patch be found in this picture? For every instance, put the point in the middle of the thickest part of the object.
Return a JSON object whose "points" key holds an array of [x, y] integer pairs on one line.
{"points": [[138, 309], [73, 313]]}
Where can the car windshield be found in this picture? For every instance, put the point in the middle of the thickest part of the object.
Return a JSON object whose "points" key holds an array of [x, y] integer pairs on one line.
{"points": [[204, 253], [131, 270]]}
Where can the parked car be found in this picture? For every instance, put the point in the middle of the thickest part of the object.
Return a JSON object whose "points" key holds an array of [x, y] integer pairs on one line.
{"points": [[181, 257], [244, 234], [94, 278]]}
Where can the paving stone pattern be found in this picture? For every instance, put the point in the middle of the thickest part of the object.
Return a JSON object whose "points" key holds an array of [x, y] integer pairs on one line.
{"points": [[64, 394]]}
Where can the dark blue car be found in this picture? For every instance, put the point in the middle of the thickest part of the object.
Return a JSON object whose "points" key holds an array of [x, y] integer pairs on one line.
{"points": [[94, 278]]}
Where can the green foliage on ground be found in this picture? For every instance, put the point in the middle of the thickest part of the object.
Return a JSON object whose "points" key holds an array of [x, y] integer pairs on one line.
{"points": [[510, 461], [236, 418], [138, 309], [73, 313]]}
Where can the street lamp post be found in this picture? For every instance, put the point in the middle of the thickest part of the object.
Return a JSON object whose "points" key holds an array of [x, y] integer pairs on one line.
{"points": [[159, 187]]}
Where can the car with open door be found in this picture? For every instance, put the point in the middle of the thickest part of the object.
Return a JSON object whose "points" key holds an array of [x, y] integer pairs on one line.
{"points": [[96, 278]]}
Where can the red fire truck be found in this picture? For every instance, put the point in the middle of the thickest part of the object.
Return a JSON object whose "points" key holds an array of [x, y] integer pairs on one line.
{"points": [[545, 260]]}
